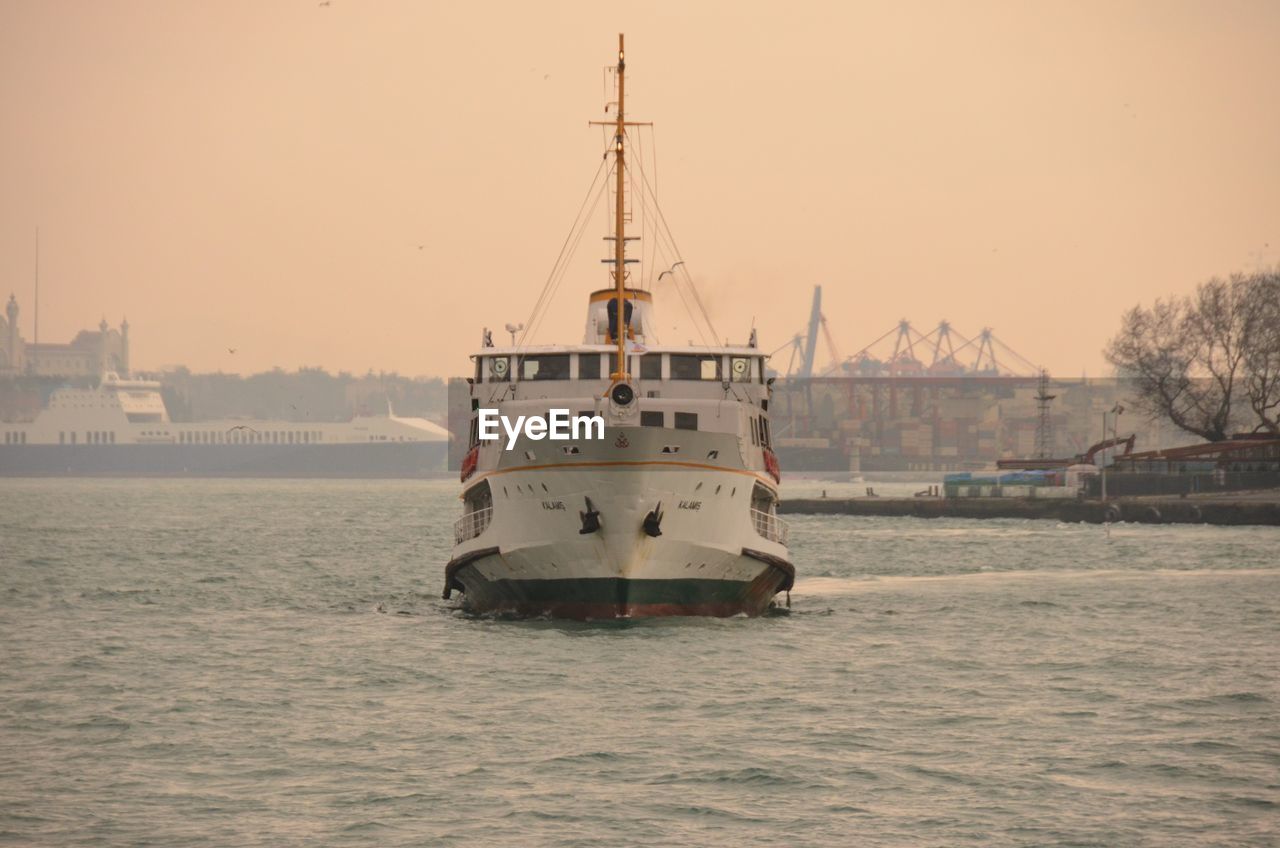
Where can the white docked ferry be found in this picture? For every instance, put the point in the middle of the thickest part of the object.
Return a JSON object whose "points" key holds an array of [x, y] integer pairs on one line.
{"points": [[122, 428], [673, 512]]}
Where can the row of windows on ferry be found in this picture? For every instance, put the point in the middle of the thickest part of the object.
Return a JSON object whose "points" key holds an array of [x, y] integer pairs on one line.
{"points": [[597, 366], [247, 436], [203, 437], [91, 437]]}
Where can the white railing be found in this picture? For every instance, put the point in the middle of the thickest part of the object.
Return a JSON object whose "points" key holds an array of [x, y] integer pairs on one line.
{"points": [[770, 526], [471, 525]]}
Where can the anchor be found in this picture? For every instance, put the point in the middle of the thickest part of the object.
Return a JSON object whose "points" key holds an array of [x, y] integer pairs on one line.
{"points": [[653, 521], [590, 519]]}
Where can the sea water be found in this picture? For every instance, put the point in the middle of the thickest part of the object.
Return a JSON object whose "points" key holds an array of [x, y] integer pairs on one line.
{"points": [[270, 663]]}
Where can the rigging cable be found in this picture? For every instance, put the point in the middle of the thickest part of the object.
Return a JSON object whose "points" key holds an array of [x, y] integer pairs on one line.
{"points": [[563, 268], [676, 249], [547, 286], [675, 281], [666, 234]]}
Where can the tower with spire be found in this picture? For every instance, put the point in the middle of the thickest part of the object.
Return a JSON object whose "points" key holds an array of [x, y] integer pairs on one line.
{"points": [[12, 353]]}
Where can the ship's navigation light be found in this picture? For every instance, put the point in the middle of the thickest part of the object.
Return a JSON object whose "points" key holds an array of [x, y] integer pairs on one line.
{"points": [[622, 394]]}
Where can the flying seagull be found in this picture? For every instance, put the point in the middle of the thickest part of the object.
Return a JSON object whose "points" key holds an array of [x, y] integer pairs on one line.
{"points": [[231, 350], [242, 427], [671, 270]]}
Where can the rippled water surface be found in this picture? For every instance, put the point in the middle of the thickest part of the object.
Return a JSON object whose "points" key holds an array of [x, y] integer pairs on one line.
{"points": [[269, 663]]}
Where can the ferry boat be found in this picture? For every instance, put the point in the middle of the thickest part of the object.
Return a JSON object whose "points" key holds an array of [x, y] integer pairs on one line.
{"points": [[672, 512], [122, 428]]}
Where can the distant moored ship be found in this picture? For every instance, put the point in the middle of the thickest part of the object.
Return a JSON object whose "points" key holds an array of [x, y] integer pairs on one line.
{"points": [[122, 428]]}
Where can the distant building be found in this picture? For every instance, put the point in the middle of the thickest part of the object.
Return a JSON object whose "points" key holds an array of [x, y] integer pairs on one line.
{"points": [[89, 354]]}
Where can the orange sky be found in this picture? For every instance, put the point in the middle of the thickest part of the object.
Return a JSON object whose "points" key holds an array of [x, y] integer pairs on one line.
{"points": [[259, 175]]}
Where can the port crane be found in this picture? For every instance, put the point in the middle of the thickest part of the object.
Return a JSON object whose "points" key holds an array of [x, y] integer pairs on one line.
{"points": [[950, 353], [804, 347]]}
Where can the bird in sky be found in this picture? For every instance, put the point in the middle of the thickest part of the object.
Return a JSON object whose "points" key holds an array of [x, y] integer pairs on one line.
{"points": [[242, 427], [671, 270], [231, 350]]}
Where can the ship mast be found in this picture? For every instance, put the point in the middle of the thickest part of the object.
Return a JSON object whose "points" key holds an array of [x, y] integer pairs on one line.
{"points": [[620, 124], [619, 235]]}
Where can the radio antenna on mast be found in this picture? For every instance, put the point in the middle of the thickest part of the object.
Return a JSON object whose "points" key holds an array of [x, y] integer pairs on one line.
{"points": [[36, 340]]}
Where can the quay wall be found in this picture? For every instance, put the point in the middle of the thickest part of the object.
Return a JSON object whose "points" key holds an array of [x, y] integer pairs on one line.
{"points": [[1141, 511]]}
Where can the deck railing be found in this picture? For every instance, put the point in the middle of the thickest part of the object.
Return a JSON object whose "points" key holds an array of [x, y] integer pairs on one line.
{"points": [[770, 526], [471, 525]]}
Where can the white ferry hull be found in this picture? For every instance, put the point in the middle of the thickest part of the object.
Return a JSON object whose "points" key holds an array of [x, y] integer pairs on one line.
{"points": [[533, 560]]}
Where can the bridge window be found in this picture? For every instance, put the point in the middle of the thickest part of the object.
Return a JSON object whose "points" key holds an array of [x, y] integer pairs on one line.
{"points": [[554, 366], [651, 419], [651, 366], [589, 366], [686, 366], [686, 420]]}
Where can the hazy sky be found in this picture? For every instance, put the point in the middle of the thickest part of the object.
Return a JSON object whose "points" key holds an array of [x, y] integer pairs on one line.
{"points": [[260, 175]]}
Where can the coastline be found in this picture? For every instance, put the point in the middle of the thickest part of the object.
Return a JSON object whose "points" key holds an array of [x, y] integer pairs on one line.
{"points": [[1236, 508]]}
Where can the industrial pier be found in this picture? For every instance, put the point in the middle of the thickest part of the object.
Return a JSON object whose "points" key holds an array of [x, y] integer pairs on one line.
{"points": [[1236, 508]]}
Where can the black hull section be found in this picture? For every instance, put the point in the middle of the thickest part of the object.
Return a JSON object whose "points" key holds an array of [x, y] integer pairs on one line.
{"points": [[373, 460], [603, 598]]}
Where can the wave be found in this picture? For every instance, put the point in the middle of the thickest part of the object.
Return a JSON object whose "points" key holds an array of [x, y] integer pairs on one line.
{"points": [[865, 583]]}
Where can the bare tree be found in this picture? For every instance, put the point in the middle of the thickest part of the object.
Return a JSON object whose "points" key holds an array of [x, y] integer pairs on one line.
{"points": [[1199, 360], [1262, 359]]}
